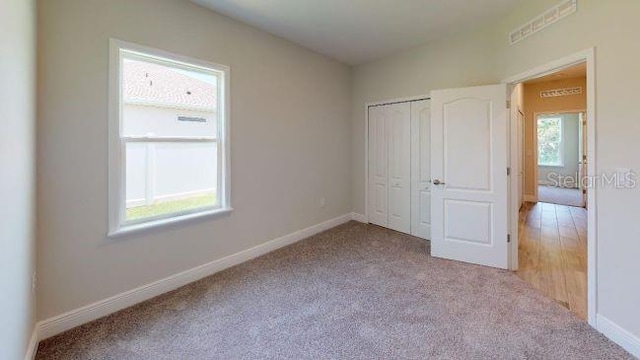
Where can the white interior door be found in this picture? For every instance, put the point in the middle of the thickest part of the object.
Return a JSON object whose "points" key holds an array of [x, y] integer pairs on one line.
{"points": [[469, 179], [399, 130], [378, 168], [421, 169]]}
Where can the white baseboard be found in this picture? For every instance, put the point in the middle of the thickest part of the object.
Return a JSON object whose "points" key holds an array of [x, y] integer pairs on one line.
{"points": [[358, 217], [620, 336], [32, 349], [85, 314]]}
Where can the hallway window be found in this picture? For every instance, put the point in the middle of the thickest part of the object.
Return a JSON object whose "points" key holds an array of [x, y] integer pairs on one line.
{"points": [[550, 141]]}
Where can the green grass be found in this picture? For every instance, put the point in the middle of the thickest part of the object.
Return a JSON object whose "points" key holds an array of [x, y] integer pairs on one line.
{"points": [[167, 207]]}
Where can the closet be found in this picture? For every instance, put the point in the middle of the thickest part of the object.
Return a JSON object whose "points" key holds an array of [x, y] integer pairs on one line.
{"points": [[399, 192]]}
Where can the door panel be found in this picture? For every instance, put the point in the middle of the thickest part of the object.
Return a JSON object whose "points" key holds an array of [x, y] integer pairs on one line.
{"points": [[398, 123], [469, 159], [467, 136], [421, 169], [378, 170], [467, 221]]}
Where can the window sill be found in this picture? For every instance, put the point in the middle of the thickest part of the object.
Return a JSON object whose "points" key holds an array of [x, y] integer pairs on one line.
{"points": [[152, 225], [551, 166]]}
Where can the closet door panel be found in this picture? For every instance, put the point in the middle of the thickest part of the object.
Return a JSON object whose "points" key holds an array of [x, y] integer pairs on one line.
{"points": [[421, 169], [378, 166], [399, 147]]}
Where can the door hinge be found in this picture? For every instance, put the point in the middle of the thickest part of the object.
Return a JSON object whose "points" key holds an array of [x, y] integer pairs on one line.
{"points": [[508, 104], [508, 171], [508, 238]]}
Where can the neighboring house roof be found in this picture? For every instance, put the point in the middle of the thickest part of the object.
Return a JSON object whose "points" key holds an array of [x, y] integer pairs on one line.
{"points": [[150, 84]]}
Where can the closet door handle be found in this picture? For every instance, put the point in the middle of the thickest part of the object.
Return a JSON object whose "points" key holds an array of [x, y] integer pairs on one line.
{"points": [[437, 182]]}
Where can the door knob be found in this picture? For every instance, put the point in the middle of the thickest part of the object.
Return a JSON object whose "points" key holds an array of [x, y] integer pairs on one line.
{"points": [[437, 182]]}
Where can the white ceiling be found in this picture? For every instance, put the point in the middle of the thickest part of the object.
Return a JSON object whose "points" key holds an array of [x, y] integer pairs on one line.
{"points": [[357, 31]]}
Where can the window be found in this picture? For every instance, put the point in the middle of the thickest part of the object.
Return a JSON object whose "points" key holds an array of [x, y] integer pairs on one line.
{"points": [[163, 170], [550, 147]]}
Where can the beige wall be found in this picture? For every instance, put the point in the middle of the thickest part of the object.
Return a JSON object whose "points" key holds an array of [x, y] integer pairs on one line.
{"points": [[290, 131], [534, 104], [484, 57], [465, 60], [17, 154]]}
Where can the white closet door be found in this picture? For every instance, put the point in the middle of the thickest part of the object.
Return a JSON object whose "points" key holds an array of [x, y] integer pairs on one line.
{"points": [[399, 128], [378, 166], [421, 169]]}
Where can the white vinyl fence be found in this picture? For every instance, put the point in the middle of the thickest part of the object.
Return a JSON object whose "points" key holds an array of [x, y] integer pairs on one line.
{"points": [[165, 171], [169, 171]]}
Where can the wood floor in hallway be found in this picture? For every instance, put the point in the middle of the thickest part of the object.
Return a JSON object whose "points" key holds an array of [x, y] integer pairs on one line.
{"points": [[553, 253]]}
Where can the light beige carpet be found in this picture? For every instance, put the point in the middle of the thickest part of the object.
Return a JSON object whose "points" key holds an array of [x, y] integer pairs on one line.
{"points": [[559, 195], [354, 292]]}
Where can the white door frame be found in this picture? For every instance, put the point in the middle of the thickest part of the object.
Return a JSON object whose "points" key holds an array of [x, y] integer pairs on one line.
{"points": [[588, 56], [366, 141]]}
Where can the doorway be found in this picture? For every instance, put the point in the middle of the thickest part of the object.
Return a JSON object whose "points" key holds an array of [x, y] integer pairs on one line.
{"points": [[549, 195], [560, 151]]}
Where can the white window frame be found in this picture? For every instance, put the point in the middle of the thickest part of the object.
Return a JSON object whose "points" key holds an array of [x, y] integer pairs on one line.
{"points": [[118, 225], [560, 140]]}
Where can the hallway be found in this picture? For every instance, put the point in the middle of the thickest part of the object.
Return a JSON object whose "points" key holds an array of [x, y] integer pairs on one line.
{"points": [[559, 195], [553, 253]]}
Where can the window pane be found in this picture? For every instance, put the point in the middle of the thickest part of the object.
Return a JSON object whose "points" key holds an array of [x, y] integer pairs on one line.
{"points": [[549, 141], [167, 100], [166, 178], [549, 153], [549, 129]]}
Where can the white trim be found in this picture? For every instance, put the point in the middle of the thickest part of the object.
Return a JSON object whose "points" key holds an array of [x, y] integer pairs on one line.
{"points": [[169, 221], [96, 310], [620, 336], [552, 67], [366, 141], [32, 348], [359, 217], [513, 206], [117, 142], [588, 56]]}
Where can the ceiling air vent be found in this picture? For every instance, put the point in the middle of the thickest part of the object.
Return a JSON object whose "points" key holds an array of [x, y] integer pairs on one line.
{"points": [[543, 20]]}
